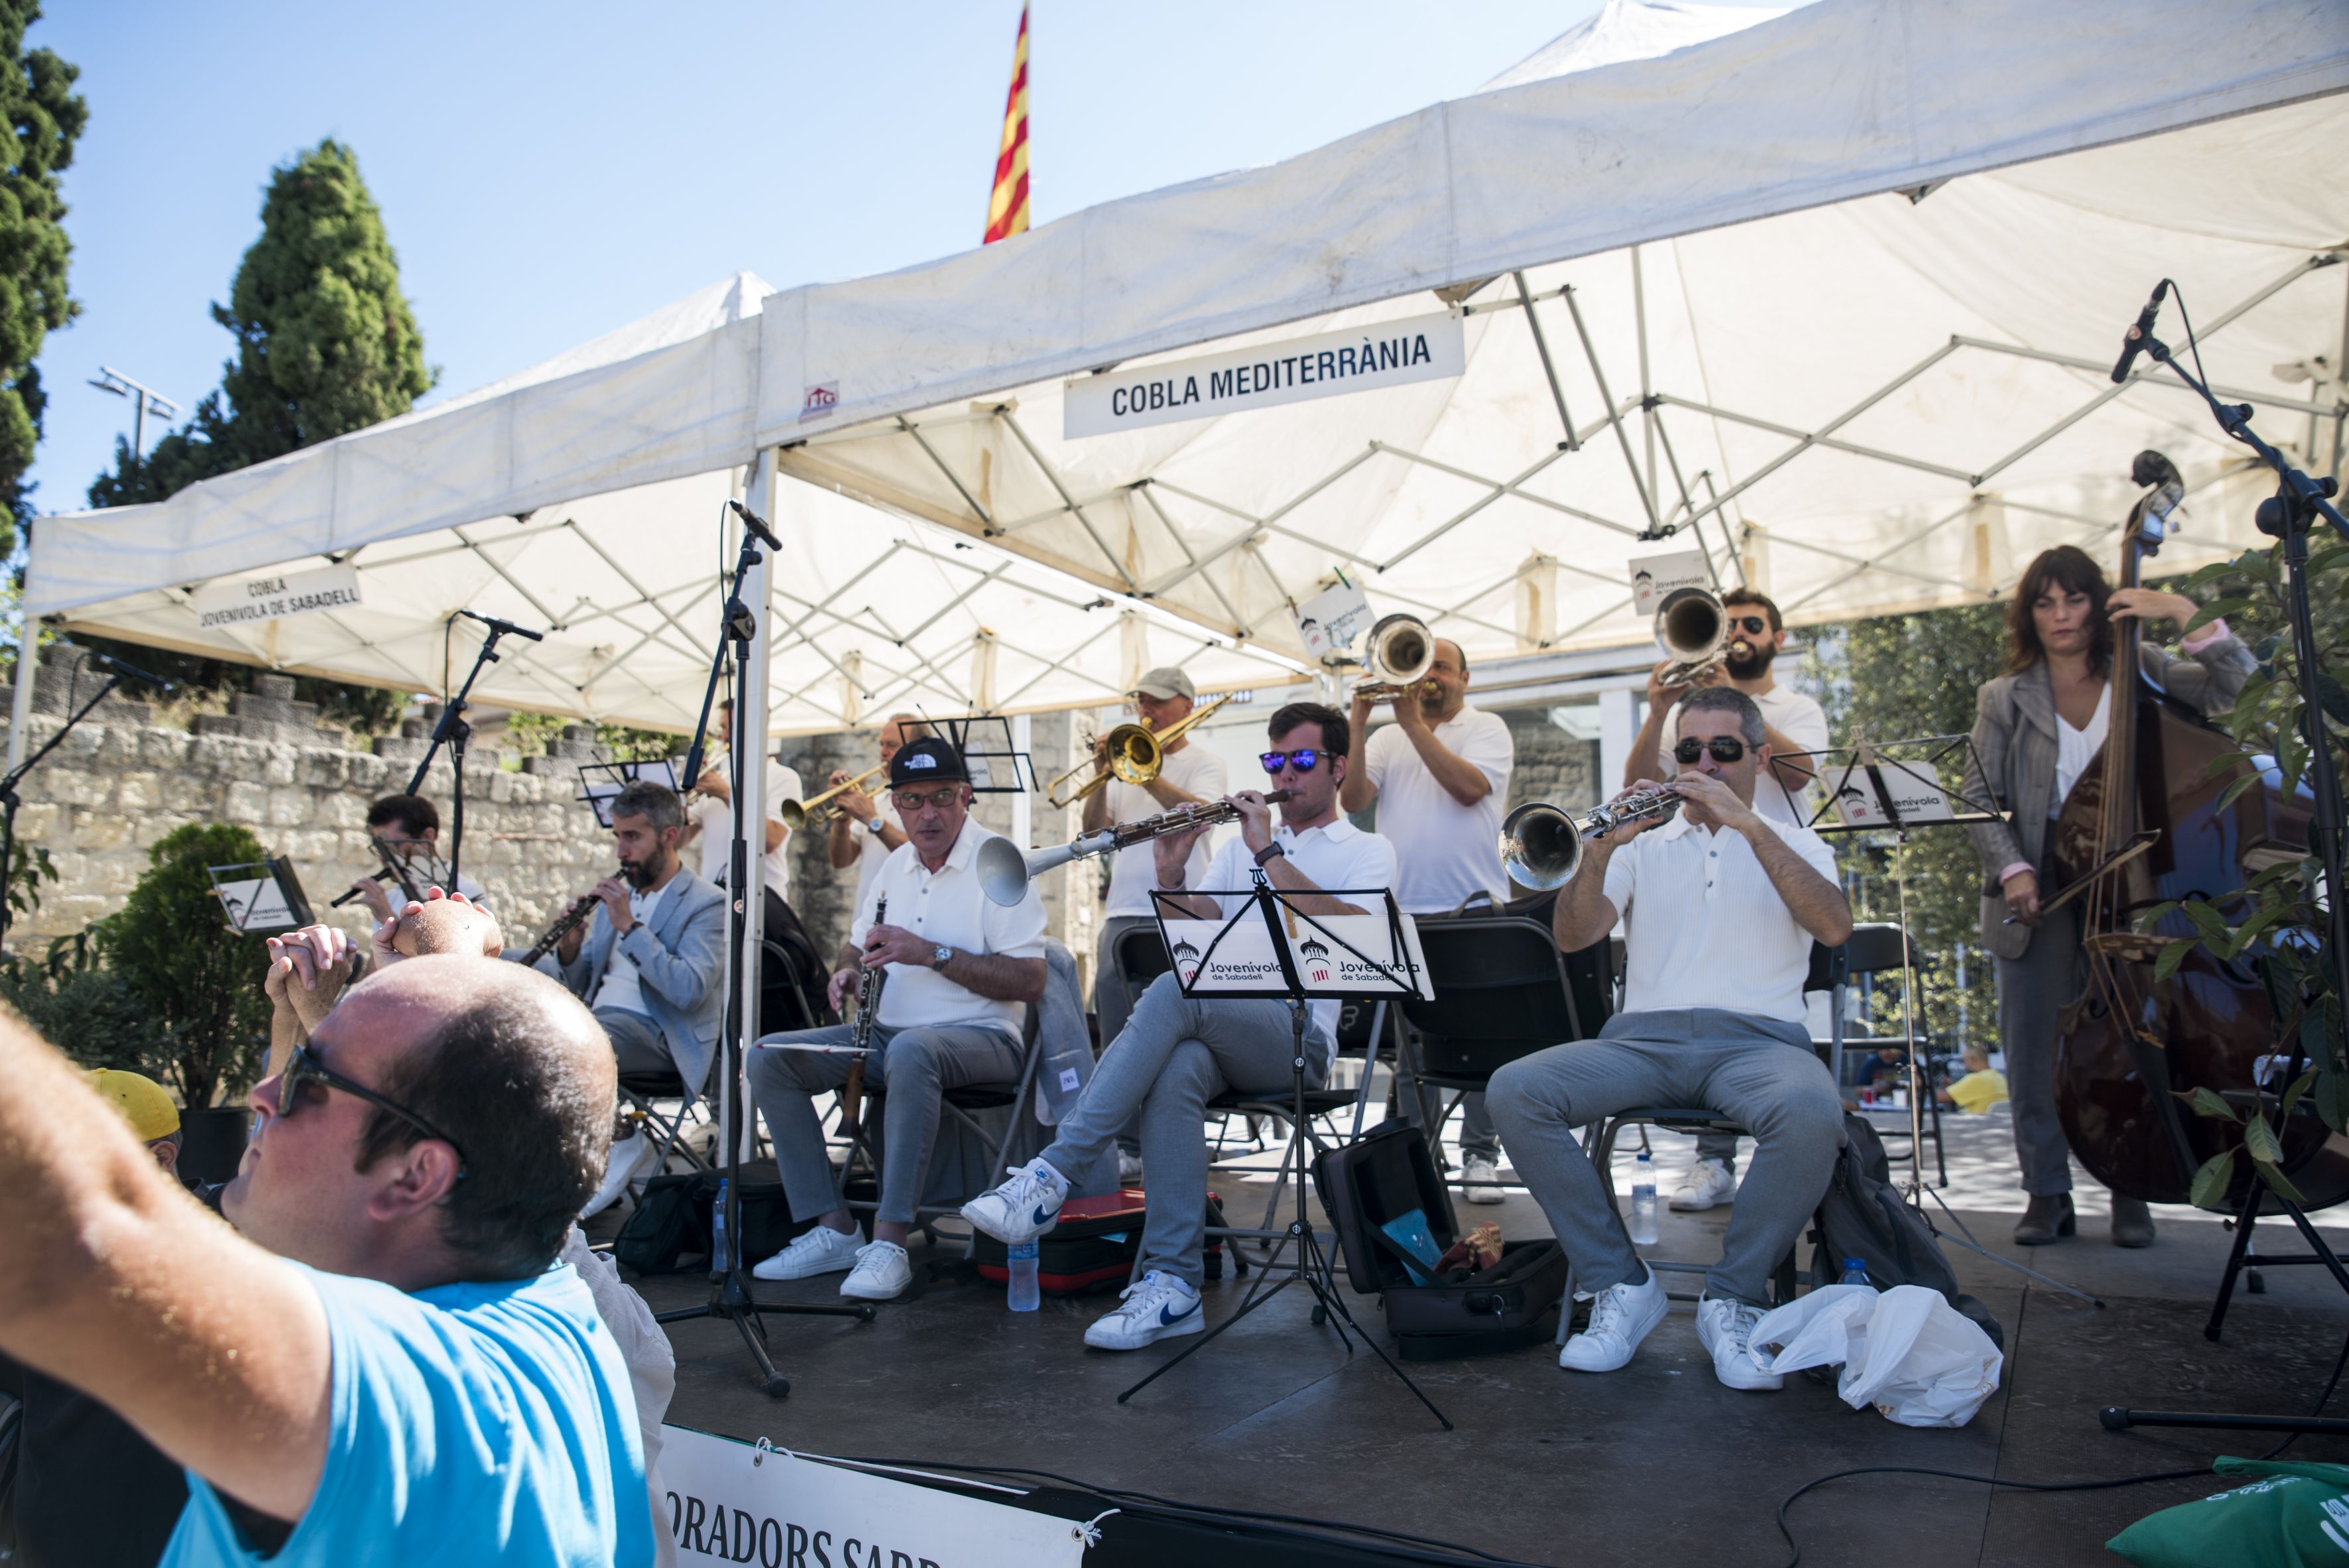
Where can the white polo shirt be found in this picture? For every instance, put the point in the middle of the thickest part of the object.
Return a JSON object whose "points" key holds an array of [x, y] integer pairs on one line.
{"points": [[622, 989], [1337, 856], [1704, 926], [1444, 851], [948, 906], [1195, 770], [716, 819], [1792, 715]]}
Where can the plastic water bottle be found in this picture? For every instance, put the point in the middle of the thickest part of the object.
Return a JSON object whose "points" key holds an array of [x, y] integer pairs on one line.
{"points": [[718, 1233], [1643, 1202], [1855, 1271], [1024, 1297]]}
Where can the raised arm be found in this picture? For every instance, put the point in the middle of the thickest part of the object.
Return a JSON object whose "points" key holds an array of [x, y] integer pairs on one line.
{"points": [[1646, 760], [113, 1280]]}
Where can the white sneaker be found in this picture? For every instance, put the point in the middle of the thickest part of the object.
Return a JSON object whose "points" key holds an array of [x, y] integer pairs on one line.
{"points": [[1725, 1329], [631, 1157], [1708, 1182], [1022, 1208], [882, 1273], [1480, 1168], [817, 1251], [1156, 1306], [1620, 1316], [1129, 1169]]}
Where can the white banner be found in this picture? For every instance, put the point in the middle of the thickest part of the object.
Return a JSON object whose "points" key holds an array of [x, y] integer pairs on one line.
{"points": [[1347, 954], [1653, 576], [730, 1503], [256, 599], [1384, 354]]}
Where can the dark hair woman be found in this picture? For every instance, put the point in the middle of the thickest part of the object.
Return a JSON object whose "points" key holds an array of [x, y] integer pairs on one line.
{"points": [[2039, 727]]}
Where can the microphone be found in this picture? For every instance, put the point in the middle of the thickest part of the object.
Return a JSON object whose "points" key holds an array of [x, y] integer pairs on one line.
{"points": [[123, 668], [2134, 343], [507, 628], [756, 524]]}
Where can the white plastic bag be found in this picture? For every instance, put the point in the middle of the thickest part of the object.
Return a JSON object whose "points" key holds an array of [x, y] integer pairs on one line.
{"points": [[652, 1369], [1907, 1351]]}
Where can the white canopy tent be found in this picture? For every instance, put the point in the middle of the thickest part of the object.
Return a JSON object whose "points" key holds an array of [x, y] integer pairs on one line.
{"points": [[1833, 293]]}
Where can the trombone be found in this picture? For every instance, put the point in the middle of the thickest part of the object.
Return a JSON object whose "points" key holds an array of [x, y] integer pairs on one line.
{"points": [[1541, 846], [1005, 869], [1136, 754], [1396, 656], [797, 814]]}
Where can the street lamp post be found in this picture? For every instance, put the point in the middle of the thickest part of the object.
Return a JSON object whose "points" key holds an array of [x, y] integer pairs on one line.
{"points": [[144, 400]]}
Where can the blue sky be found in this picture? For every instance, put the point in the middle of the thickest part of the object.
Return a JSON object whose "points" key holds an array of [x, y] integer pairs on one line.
{"points": [[550, 172]]}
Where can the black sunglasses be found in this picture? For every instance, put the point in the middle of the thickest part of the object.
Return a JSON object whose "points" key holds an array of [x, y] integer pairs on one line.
{"points": [[303, 1069], [1752, 626], [1305, 759], [1724, 748]]}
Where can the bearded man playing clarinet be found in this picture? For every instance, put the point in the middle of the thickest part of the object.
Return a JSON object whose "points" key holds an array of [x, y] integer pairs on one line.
{"points": [[1176, 1052], [1720, 906]]}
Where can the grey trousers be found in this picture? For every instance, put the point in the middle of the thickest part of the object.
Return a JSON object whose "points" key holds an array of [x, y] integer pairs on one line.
{"points": [[1172, 1057], [2030, 990], [1114, 998], [1758, 1070], [917, 1066]]}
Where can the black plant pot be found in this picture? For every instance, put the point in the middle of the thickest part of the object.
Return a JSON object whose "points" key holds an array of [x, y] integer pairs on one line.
{"points": [[211, 1142]]}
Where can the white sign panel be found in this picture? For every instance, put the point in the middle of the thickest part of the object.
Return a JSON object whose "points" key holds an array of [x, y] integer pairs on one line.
{"points": [[1335, 955], [1916, 789], [1326, 623], [1384, 354], [257, 599], [729, 1502], [258, 905], [1653, 576]]}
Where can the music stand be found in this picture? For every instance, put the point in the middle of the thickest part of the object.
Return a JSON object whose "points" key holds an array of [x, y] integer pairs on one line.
{"points": [[260, 895], [600, 782], [1269, 949], [996, 766]]}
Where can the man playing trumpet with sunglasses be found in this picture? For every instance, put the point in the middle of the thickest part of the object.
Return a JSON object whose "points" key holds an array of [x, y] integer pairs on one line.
{"points": [[1720, 906]]}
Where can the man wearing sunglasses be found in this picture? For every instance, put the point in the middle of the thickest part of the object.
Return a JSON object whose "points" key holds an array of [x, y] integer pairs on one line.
{"points": [[1720, 906], [1792, 724], [1176, 1052], [962, 971], [382, 1363]]}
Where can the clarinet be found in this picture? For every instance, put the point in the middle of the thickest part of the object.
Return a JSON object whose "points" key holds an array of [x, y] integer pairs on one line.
{"points": [[565, 924], [869, 981]]}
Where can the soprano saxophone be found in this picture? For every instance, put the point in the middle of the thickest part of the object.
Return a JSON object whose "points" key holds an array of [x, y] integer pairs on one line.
{"points": [[565, 924], [869, 981]]}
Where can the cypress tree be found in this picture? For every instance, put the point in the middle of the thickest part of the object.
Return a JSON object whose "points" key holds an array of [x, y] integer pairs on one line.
{"points": [[45, 117]]}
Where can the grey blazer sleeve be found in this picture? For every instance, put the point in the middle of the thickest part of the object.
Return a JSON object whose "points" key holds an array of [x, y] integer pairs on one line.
{"points": [[1994, 720], [2209, 679], [580, 973], [685, 977]]}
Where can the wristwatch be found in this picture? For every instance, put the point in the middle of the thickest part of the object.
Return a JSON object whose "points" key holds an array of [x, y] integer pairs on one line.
{"points": [[874, 825], [942, 957]]}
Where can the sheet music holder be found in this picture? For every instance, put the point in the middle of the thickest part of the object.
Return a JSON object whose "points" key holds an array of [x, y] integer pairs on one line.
{"points": [[600, 781], [1894, 784], [996, 766], [261, 897]]}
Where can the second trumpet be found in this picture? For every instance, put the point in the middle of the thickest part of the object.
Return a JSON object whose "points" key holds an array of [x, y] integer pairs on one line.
{"points": [[1541, 845], [1005, 869]]}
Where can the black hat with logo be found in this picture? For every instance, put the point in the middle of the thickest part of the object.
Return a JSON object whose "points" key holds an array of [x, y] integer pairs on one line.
{"points": [[929, 760]]}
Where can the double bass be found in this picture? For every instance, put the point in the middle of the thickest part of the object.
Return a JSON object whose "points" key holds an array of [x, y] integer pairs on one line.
{"points": [[2129, 1047]]}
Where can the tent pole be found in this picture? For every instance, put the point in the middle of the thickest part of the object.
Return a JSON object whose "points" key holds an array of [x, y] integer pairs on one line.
{"points": [[751, 727], [1647, 385], [1541, 344], [1631, 460]]}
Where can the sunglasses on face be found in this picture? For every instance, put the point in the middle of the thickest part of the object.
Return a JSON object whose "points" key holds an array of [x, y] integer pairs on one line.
{"points": [[1305, 760], [1752, 626], [909, 802], [304, 1070], [1724, 748]]}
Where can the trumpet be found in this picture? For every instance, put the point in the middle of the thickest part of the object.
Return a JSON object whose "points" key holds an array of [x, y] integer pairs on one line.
{"points": [[1005, 869], [1542, 845], [1135, 752], [1692, 628], [1396, 656], [816, 809]]}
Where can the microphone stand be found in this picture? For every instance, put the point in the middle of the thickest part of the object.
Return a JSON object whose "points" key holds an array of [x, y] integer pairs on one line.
{"points": [[8, 800], [454, 732], [729, 1288]]}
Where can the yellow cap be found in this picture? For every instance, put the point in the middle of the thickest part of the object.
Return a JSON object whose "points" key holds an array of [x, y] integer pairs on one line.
{"points": [[141, 1102]]}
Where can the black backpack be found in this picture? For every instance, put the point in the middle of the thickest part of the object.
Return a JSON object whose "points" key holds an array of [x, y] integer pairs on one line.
{"points": [[1862, 1217]]}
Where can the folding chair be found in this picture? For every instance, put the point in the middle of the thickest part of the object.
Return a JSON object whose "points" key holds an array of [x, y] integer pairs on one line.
{"points": [[1875, 948]]}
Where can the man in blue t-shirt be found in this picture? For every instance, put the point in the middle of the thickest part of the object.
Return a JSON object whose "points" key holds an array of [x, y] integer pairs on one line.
{"points": [[418, 1384]]}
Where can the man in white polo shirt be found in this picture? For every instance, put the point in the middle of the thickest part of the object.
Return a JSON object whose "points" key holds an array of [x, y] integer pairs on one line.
{"points": [[1440, 774], [1176, 1052], [863, 835], [962, 971], [711, 813], [1793, 723], [1720, 907]]}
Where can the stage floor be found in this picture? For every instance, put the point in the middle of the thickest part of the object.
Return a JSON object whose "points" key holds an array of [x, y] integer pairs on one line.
{"points": [[1657, 1462]]}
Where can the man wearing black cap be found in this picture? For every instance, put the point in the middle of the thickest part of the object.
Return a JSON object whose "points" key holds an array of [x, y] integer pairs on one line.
{"points": [[960, 970]]}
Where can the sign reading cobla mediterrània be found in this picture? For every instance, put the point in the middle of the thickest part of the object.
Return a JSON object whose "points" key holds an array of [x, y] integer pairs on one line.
{"points": [[1362, 359], [256, 599]]}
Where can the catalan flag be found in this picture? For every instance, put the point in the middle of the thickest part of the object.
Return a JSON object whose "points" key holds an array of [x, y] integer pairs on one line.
{"points": [[1006, 209]]}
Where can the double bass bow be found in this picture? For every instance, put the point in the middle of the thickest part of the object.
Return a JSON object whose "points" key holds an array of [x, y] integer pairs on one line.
{"points": [[2129, 1047]]}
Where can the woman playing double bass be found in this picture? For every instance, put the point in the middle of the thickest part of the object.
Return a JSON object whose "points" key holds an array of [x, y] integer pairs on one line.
{"points": [[2040, 727]]}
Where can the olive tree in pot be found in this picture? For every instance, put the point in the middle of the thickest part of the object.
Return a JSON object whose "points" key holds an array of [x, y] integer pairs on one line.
{"points": [[172, 947]]}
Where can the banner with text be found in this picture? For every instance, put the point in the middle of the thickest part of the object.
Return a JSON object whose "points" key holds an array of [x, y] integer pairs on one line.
{"points": [[1334, 954], [256, 599], [1385, 353]]}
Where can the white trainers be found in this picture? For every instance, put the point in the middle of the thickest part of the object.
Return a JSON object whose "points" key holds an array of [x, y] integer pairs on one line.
{"points": [[1620, 1316], [1480, 1168], [1022, 1208], [882, 1273], [1155, 1307], [631, 1157], [1726, 1329], [818, 1250], [1708, 1182]]}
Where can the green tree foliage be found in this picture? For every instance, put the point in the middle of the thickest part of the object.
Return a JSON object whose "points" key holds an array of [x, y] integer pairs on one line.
{"points": [[45, 117], [86, 1010], [198, 981], [326, 344]]}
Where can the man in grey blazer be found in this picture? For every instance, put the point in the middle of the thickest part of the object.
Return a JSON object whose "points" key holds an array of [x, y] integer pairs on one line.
{"points": [[650, 964]]}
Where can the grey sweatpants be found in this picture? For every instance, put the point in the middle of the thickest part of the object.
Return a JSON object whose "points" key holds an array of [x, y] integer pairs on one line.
{"points": [[916, 1066], [1758, 1070], [1172, 1057], [1114, 998]]}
